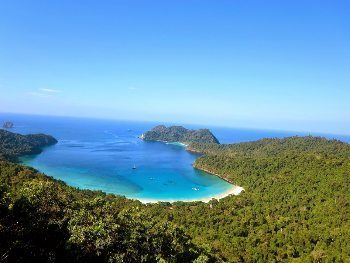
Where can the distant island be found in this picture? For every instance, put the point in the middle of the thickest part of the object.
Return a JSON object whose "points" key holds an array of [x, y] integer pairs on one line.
{"points": [[13, 144], [7, 125], [179, 134]]}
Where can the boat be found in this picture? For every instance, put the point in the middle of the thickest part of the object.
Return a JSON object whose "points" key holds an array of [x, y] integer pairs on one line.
{"points": [[195, 188], [134, 167]]}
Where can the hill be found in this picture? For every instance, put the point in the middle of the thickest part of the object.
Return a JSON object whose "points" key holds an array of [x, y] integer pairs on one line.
{"points": [[179, 134], [13, 145]]}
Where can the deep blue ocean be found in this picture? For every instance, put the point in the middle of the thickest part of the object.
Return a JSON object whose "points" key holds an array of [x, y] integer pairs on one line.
{"points": [[100, 154]]}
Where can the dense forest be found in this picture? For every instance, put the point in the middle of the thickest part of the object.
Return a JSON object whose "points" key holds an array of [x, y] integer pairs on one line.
{"points": [[297, 200], [44, 220], [179, 134], [13, 145], [295, 208]]}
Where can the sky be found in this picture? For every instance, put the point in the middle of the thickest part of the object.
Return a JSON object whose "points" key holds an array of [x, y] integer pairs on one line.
{"points": [[256, 64]]}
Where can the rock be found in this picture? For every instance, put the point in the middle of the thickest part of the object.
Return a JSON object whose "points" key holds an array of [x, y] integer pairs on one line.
{"points": [[7, 125]]}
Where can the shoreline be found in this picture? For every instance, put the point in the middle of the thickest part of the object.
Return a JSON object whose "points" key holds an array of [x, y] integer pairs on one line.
{"points": [[166, 142], [176, 143], [234, 190], [212, 173]]}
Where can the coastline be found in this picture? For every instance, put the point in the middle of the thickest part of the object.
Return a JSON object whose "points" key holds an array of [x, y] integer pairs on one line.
{"points": [[176, 143], [166, 142], [234, 190], [212, 173]]}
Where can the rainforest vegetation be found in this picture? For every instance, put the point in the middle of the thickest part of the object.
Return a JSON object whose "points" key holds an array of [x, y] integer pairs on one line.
{"points": [[13, 145], [295, 208]]}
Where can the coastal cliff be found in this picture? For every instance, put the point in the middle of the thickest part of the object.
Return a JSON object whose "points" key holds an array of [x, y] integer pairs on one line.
{"points": [[179, 134]]}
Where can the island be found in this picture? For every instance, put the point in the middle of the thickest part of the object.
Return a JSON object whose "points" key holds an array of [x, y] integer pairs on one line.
{"points": [[14, 144], [7, 125], [179, 134]]}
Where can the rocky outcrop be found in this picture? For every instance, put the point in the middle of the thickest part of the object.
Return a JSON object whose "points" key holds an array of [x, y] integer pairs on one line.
{"points": [[7, 125]]}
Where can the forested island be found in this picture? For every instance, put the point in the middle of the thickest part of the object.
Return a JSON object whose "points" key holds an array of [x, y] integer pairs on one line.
{"points": [[179, 134], [296, 207]]}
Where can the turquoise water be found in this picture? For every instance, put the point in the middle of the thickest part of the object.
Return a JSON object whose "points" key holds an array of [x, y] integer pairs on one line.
{"points": [[100, 155]]}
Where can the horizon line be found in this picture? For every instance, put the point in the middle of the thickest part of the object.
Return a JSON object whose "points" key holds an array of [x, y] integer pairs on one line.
{"points": [[317, 133]]}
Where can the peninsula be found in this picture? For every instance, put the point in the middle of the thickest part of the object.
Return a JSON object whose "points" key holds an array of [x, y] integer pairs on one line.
{"points": [[179, 134], [14, 144]]}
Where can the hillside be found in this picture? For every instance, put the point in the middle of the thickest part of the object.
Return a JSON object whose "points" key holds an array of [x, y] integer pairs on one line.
{"points": [[296, 206], [275, 146], [179, 134]]}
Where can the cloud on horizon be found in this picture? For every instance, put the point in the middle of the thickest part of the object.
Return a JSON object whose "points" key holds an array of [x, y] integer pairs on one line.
{"points": [[44, 92], [49, 90]]}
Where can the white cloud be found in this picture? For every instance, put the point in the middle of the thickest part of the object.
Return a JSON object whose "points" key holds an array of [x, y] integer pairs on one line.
{"points": [[49, 90], [44, 92]]}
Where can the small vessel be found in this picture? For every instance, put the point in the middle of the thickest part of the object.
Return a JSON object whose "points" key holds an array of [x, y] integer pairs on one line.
{"points": [[134, 167], [195, 188]]}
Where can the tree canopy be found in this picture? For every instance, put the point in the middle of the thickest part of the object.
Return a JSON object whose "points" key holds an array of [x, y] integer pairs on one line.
{"points": [[13, 145], [179, 134]]}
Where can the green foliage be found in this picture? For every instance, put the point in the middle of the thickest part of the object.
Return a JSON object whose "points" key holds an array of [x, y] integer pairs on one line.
{"points": [[296, 203], [44, 220], [272, 147], [179, 134], [13, 145]]}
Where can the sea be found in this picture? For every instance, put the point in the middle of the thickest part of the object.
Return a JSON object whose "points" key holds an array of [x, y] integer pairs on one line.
{"points": [[107, 155]]}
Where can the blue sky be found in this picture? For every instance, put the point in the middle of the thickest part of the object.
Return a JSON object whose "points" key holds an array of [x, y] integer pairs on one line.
{"points": [[261, 64]]}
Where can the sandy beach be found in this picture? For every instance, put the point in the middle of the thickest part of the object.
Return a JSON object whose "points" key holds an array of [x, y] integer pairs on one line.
{"points": [[234, 190]]}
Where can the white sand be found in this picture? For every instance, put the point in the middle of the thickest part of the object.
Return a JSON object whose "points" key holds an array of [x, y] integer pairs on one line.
{"points": [[234, 190]]}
